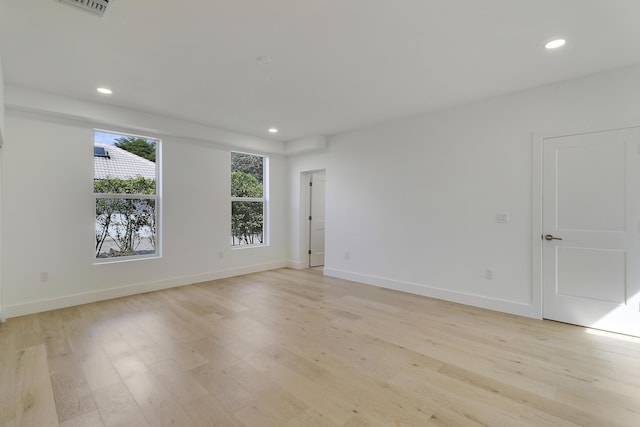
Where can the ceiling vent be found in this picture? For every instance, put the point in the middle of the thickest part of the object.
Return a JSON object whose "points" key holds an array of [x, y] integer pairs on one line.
{"points": [[99, 7]]}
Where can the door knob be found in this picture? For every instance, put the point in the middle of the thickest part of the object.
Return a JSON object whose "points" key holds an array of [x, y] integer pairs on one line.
{"points": [[550, 237]]}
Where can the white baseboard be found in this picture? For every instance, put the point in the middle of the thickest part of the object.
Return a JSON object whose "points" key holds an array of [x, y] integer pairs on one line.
{"points": [[298, 265], [123, 291], [505, 306]]}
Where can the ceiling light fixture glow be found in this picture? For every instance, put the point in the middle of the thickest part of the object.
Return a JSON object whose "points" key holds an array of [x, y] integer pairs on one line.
{"points": [[554, 44], [105, 91], [273, 130]]}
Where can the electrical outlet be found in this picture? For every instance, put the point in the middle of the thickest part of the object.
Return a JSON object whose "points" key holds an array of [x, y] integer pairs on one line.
{"points": [[221, 254], [44, 276], [502, 217], [347, 255], [488, 274]]}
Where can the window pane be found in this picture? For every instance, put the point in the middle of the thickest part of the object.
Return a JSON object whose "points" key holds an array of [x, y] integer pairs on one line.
{"points": [[247, 223], [247, 175], [125, 227], [124, 164]]}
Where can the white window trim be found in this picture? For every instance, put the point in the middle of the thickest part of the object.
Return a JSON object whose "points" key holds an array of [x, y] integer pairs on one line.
{"points": [[265, 204], [125, 196], [249, 199]]}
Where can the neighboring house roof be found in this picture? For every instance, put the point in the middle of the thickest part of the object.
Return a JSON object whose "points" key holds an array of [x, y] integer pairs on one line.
{"points": [[121, 164]]}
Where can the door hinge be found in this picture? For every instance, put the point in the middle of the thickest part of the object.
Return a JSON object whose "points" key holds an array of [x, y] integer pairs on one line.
{"points": [[310, 184], [309, 251], [309, 217]]}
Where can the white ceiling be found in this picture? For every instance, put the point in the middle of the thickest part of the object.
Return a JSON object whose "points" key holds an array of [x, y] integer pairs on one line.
{"points": [[337, 64]]}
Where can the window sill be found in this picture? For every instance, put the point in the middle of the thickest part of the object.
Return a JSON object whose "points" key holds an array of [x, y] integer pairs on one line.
{"points": [[237, 248], [117, 260]]}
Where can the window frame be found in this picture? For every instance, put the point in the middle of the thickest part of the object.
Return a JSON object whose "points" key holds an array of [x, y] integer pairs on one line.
{"points": [[157, 197], [264, 200]]}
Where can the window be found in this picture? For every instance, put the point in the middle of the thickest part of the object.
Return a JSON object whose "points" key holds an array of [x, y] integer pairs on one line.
{"points": [[248, 199], [126, 192]]}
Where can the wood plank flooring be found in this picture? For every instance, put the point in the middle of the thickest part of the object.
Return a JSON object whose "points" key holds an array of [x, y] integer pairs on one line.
{"points": [[293, 348]]}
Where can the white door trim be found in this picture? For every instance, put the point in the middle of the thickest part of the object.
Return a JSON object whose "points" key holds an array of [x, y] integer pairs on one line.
{"points": [[537, 143], [313, 197], [305, 200], [2, 311]]}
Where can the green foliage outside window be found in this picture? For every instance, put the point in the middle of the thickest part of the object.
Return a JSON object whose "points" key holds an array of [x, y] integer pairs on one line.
{"points": [[247, 217], [137, 185], [248, 163], [138, 146]]}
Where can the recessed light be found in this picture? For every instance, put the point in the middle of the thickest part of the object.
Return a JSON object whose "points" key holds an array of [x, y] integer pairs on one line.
{"points": [[554, 44], [105, 91], [264, 60], [273, 130]]}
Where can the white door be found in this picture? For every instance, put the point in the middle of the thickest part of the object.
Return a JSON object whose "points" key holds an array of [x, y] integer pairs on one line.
{"points": [[316, 219], [591, 198]]}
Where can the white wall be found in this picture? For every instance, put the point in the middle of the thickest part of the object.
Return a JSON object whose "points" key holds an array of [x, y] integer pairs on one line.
{"points": [[1, 101], [48, 211], [414, 201], [2, 315]]}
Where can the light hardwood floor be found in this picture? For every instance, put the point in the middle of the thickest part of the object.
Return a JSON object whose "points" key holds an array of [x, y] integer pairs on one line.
{"points": [[294, 348]]}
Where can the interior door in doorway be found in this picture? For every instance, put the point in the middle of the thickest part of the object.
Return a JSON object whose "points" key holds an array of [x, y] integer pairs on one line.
{"points": [[316, 219], [591, 230]]}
